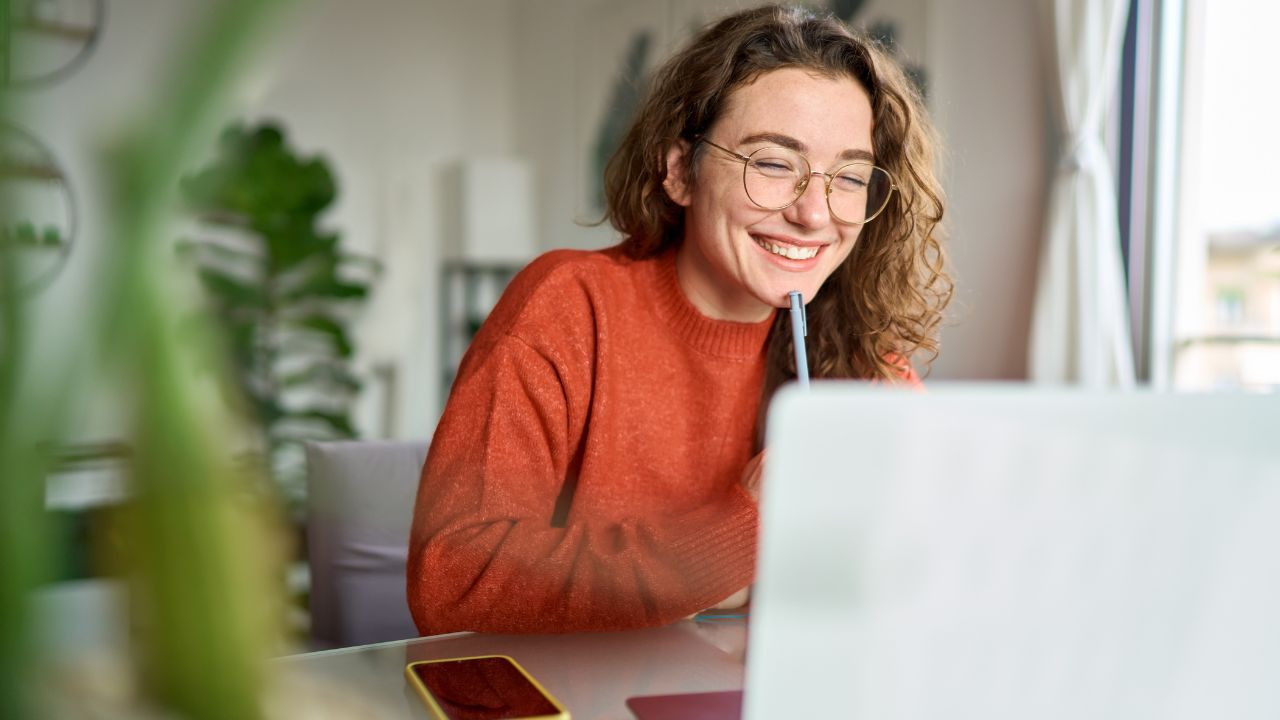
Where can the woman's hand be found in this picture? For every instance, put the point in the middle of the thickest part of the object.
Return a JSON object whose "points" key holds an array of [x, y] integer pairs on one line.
{"points": [[752, 475], [734, 601]]}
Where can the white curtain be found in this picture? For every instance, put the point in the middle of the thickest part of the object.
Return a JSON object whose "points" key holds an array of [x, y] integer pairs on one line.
{"points": [[1080, 325]]}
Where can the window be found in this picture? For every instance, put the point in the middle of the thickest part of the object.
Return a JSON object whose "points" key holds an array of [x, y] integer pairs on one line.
{"points": [[1211, 310]]}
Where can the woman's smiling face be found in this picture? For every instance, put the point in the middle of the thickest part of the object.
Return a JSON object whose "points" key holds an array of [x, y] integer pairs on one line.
{"points": [[738, 261]]}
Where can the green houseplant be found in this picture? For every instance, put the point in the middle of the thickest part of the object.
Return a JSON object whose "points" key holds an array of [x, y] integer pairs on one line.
{"points": [[280, 286], [196, 550]]}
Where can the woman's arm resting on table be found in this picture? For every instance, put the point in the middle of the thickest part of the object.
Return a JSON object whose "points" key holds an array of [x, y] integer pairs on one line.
{"points": [[484, 556]]}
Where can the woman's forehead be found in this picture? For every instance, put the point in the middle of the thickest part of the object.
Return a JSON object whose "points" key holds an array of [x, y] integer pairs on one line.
{"points": [[820, 111]]}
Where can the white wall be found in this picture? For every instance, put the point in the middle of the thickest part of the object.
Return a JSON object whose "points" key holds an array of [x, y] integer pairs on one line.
{"points": [[986, 81], [546, 73]]}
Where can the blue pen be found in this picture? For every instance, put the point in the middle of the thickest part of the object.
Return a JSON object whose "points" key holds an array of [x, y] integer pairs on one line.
{"points": [[799, 329]]}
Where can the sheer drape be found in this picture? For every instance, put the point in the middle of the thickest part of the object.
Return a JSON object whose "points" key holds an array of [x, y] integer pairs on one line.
{"points": [[1079, 330]]}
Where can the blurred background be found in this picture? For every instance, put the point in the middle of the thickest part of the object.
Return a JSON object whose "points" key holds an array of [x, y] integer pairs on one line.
{"points": [[465, 135]]}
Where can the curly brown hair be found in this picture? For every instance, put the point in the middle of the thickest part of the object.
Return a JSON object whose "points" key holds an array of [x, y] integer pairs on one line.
{"points": [[885, 301]]}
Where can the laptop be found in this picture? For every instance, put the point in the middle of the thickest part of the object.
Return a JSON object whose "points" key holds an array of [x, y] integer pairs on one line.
{"points": [[1011, 552]]}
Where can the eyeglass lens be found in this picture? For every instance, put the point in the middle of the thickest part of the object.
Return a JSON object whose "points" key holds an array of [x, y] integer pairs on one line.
{"points": [[775, 177]]}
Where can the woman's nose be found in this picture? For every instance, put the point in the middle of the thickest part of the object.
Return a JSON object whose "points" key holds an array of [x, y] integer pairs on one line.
{"points": [[810, 209]]}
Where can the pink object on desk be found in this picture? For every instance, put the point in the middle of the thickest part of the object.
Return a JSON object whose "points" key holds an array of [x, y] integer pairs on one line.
{"points": [[725, 705]]}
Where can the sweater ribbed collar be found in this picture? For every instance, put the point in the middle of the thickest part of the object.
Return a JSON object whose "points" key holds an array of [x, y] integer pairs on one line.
{"points": [[722, 338]]}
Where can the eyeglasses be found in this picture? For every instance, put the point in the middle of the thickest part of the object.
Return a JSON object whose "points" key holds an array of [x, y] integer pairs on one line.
{"points": [[775, 177]]}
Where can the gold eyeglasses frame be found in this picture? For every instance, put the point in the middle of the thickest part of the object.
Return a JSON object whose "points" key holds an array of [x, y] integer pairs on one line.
{"points": [[803, 185]]}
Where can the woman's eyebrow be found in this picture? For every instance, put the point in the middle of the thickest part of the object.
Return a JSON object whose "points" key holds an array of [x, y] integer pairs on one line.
{"points": [[791, 143], [858, 155], [778, 139]]}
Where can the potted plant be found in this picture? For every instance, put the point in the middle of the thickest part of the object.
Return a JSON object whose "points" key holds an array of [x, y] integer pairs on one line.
{"points": [[281, 287]]}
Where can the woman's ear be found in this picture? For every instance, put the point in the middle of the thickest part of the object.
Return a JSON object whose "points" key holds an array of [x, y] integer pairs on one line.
{"points": [[676, 183]]}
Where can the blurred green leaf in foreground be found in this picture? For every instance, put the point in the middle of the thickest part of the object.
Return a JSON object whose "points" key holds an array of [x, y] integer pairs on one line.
{"points": [[199, 547]]}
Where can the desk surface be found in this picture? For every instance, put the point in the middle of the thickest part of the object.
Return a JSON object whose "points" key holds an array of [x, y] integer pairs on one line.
{"points": [[592, 674]]}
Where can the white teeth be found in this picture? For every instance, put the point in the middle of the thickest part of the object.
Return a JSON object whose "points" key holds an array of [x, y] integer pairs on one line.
{"points": [[788, 251]]}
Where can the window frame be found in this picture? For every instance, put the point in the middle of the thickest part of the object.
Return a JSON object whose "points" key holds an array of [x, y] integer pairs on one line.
{"points": [[1152, 71]]}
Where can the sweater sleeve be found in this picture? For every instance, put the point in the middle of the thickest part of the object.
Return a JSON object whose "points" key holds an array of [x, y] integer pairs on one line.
{"points": [[484, 554]]}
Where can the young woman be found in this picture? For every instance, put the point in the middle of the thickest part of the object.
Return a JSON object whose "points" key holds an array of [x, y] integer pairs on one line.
{"points": [[597, 465]]}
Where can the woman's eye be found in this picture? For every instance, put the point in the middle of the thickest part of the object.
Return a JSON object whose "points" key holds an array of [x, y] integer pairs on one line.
{"points": [[774, 167], [850, 182]]}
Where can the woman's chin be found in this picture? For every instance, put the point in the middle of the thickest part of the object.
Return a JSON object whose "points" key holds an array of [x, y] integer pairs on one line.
{"points": [[780, 297]]}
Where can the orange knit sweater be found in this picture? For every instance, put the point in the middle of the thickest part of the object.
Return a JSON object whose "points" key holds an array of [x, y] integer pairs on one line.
{"points": [[585, 473]]}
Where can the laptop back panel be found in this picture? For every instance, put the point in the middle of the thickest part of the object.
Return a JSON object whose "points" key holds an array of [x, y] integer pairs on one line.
{"points": [[1007, 552]]}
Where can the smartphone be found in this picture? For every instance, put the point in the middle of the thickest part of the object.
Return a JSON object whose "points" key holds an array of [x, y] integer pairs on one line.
{"points": [[486, 687]]}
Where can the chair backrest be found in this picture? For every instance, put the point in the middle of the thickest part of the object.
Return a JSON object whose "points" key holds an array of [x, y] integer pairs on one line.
{"points": [[360, 498]]}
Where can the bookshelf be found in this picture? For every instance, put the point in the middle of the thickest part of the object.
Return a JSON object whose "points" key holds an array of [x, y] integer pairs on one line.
{"points": [[468, 291]]}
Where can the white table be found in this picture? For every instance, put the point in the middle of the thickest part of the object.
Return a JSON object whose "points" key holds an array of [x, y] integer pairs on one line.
{"points": [[592, 674]]}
